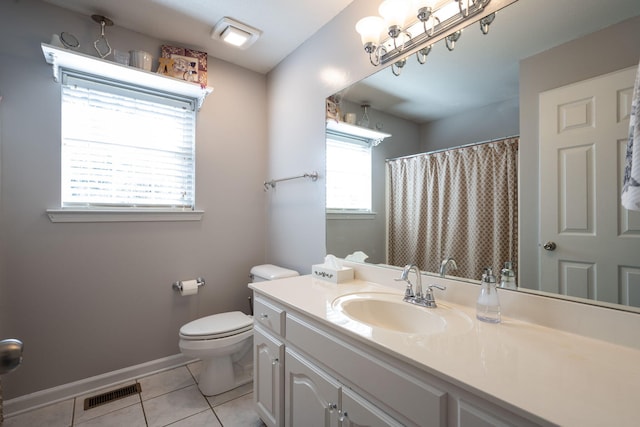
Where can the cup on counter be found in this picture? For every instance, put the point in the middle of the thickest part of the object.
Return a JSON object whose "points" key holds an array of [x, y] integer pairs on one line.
{"points": [[140, 59]]}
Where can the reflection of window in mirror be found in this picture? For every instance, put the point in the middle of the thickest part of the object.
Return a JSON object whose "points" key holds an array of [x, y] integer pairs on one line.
{"points": [[348, 175]]}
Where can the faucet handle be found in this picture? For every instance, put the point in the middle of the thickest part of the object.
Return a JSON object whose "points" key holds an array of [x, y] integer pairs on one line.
{"points": [[408, 292], [429, 299]]}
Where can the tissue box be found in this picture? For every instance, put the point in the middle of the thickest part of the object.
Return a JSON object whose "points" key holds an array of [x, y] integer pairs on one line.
{"points": [[344, 274]]}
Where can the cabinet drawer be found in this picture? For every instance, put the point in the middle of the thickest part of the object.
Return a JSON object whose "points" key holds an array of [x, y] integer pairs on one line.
{"points": [[269, 315]]}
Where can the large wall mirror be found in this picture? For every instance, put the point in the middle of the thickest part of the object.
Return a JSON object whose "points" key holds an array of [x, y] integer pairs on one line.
{"points": [[488, 88]]}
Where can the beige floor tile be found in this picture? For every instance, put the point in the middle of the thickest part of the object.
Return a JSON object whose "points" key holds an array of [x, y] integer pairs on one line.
{"points": [[203, 419], [174, 406], [230, 395], [238, 413], [165, 382], [171, 398], [56, 415], [131, 416], [195, 368]]}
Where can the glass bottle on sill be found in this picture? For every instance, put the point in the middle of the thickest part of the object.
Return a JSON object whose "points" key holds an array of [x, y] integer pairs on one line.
{"points": [[507, 276]]}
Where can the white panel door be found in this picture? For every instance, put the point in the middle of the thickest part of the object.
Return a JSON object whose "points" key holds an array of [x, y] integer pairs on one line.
{"points": [[594, 243]]}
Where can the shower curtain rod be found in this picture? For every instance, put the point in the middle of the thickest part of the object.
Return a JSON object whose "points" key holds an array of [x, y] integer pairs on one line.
{"points": [[454, 148]]}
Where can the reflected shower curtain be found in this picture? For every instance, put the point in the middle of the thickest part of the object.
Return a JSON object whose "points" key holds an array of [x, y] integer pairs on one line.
{"points": [[460, 203]]}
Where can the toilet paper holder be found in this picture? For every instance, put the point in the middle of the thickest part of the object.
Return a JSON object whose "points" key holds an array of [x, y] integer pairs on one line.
{"points": [[177, 286]]}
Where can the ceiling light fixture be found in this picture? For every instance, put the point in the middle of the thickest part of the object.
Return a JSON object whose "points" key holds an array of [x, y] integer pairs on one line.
{"points": [[235, 33], [414, 25]]}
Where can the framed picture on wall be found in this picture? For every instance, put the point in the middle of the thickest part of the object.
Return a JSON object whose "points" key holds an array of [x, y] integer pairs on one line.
{"points": [[333, 111], [185, 64]]}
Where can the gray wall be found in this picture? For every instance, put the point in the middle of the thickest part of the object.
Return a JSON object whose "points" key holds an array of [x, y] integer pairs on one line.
{"points": [[493, 121], [611, 49], [298, 88], [94, 298]]}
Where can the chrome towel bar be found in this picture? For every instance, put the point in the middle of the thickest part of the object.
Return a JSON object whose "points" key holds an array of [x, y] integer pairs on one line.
{"points": [[272, 183]]}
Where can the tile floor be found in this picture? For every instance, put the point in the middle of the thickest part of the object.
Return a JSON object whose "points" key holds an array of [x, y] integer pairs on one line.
{"points": [[169, 398]]}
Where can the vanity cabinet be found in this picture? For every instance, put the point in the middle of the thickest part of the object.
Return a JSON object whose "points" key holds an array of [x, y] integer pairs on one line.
{"points": [[308, 373]]}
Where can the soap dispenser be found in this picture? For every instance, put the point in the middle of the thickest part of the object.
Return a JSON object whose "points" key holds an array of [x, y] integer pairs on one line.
{"points": [[507, 276], [488, 305]]}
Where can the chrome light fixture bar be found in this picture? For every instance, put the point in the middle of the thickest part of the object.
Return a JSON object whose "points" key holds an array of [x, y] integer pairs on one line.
{"points": [[428, 22]]}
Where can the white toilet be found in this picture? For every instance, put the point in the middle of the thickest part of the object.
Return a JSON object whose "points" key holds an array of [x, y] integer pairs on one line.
{"points": [[224, 341]]}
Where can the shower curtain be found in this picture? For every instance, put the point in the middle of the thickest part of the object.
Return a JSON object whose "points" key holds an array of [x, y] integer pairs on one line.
{"points": [[460, 203]]}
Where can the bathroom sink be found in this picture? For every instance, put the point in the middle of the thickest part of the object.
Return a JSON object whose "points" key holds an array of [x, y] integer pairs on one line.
{"points": [[388, 311]]}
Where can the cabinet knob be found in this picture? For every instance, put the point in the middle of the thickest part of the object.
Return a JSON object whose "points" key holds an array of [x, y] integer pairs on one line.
{"points": [[343, 416], [332, 406], [275, 361], [264, 316]]}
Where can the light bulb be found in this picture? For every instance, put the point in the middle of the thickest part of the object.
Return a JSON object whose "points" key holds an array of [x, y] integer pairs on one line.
{"points": [[370, 29], [394, 12], [418, 4]]}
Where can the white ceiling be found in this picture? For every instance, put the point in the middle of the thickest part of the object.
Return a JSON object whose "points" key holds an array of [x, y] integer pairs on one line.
{"points": [[285, 24]]}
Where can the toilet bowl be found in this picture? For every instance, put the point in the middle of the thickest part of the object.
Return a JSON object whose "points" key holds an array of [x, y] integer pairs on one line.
{"points": [[224, 342]]}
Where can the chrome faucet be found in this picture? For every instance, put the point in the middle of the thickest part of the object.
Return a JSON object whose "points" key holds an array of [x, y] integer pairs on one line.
{"points": [[417, 297], [445, 263], [409, 294]]}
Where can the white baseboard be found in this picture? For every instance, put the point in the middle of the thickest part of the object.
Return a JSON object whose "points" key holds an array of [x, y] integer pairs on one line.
{"points": [[67, 391]]}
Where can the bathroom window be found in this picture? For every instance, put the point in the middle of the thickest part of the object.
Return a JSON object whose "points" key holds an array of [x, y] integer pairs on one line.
{"points": [[348, 174], [125, 147]]}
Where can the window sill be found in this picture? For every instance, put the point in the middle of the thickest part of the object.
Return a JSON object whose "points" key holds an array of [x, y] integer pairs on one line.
{"points": [[350, 215], [122, 215]]}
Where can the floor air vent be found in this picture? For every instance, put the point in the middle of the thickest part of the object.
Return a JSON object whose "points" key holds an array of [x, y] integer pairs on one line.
{"points": [[110, 396]]}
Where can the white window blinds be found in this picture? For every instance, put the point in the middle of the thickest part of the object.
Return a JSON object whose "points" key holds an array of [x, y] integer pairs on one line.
{"points": [[124, 146], [348, 174]]}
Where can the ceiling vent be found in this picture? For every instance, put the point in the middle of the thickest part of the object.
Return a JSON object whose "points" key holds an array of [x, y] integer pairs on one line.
{"points": [[235, 33]]}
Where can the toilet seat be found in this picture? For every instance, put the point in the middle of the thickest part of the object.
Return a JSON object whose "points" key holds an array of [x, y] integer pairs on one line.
{"points": [[217, 326]]}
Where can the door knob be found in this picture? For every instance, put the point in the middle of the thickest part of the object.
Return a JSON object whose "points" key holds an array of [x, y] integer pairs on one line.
{"points": [[549, 246], [10, 355]]}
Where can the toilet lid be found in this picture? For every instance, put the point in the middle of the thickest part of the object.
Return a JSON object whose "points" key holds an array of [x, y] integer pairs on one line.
{"points": [[221, 325]]}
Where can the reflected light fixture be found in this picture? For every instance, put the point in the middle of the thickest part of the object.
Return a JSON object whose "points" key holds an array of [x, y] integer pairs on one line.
{"points": [[235, 33], [414, 25]]}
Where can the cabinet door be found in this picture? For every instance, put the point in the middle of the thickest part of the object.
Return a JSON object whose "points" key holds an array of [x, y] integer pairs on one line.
{"points": [[311, 396], [474, 412], [358, 412], [268, 358]]}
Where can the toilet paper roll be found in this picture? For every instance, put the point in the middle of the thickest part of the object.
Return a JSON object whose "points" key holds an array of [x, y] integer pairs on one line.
{"points": [[189, 287]]}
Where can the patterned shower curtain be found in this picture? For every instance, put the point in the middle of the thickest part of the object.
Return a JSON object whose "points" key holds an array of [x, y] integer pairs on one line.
{"points": [[460, 203]]}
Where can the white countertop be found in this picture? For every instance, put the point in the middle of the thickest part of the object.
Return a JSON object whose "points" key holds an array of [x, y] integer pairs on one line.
{"points": [[564, 378]]}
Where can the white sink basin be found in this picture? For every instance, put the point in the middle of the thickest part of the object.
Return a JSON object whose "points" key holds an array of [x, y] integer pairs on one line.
{"points": [[388, 311]]}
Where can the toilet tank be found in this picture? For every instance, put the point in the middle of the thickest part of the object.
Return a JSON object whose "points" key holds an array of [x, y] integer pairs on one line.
{"points": [[264, 272]]}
